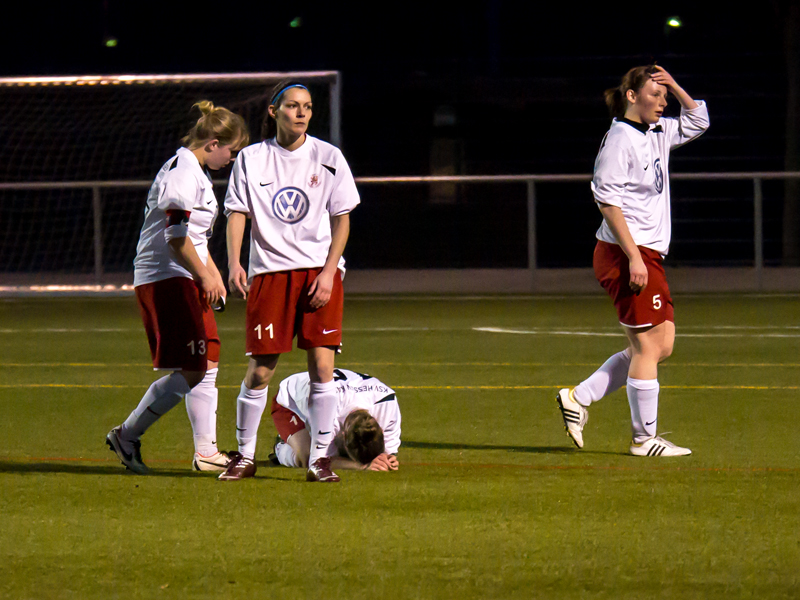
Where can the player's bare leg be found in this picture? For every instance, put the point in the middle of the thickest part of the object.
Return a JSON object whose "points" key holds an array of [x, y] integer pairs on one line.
{"points": [[294, 451], [649, 347], [162, 395], [321, 413], [250, 405]]}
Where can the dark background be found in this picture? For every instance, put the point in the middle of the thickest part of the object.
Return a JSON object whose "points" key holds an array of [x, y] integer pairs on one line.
{"points": [[505, 87]]}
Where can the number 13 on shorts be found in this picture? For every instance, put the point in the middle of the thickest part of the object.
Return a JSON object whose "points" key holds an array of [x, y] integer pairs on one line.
{"points": [[267, 329]]}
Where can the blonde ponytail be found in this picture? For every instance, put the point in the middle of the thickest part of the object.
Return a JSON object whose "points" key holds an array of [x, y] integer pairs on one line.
{"points": [[216, 123]]}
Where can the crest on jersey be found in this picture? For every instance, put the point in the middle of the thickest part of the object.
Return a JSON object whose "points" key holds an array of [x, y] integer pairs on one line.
{"points": [[659, 175], [290, 205], [314, 181]]}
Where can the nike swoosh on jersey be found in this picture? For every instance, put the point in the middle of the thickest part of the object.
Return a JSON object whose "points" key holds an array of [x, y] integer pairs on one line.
{"points": [[323, 432], [266, 184], [645, 167], [327, 331]]}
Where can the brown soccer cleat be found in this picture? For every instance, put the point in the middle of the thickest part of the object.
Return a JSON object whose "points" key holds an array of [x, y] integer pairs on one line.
{"points": [[321, 471], [239, 468]]}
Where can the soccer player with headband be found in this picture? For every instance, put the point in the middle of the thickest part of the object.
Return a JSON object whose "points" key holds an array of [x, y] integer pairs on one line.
{"points": [[631, 188], [298, 192], [177, 284]]}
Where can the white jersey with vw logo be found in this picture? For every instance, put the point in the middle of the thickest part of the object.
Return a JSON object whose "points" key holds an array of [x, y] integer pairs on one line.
{"points": [[290, 197], [354, 391], [632, 172], [181, 184]]}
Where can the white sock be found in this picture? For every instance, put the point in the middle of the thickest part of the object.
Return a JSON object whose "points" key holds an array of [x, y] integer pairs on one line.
{"points": [[608, 378], [162, 395], [321, 414], [286, 455], [201, 405], [643, 398], [250, 406]]}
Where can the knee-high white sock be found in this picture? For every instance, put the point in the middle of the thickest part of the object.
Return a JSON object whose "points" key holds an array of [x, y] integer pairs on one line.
{"points": [[608, 378], [250, 406], [162, 395], [321, 414], [201, 406], [286, 455], [643, 399]]}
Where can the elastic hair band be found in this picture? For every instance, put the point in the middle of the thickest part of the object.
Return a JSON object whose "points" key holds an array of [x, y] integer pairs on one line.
{"points": [[292, 85]]}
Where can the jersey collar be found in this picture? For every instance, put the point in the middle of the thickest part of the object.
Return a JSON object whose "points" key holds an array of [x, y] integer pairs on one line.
{"points": [[641, 127]]}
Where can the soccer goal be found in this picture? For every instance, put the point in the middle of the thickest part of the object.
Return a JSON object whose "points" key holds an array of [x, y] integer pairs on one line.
{"points": [[81, 152]]}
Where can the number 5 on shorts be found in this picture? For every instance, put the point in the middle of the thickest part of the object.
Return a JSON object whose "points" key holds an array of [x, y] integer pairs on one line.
{"points": [[268, 328], [657, 301]]}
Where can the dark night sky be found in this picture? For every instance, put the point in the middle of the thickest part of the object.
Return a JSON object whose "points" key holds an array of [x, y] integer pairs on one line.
{"points": [[67, 37], [524, 79]]}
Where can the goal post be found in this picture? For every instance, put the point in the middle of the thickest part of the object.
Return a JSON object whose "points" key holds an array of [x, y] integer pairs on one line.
{"points": [[81, 151]]}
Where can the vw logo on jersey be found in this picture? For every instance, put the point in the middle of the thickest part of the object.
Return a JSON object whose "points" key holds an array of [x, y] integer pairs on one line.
{"points": [[290, 205], [659, 175]]}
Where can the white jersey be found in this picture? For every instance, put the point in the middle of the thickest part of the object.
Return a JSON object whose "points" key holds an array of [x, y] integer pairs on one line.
{"points": [[632, 172], [290, 197], [181, 184], [354, 391]]}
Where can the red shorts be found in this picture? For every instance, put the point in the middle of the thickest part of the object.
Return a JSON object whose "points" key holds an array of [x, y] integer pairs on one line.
{"points": [[286, 422], [653, 305], [179, 324], [277, 310]]}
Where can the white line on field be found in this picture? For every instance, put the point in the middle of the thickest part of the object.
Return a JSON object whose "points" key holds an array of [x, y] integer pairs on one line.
{"points": [[591, 333]]}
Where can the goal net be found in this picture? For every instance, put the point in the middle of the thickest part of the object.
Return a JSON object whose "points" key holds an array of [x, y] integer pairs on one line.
{"points": [[81, 152]]}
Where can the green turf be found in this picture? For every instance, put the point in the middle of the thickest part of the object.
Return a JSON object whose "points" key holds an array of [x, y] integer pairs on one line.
{"points": [[491, 500]]}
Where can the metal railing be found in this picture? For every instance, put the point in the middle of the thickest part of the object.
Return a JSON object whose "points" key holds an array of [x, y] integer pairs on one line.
{"points": [[756, 177]]}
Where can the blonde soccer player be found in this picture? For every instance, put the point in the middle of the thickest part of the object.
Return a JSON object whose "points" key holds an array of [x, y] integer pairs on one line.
{"points": [[298, 192], [177, 284], [631, 188], [366, 430]]}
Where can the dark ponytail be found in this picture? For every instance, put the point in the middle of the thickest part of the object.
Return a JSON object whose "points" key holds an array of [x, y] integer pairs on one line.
{"points": [[616, 98]]}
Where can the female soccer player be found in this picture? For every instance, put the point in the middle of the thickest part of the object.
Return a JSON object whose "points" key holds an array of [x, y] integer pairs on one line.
{"points": [[298, 192], [631, 188], [366, 427], [177, 284]]}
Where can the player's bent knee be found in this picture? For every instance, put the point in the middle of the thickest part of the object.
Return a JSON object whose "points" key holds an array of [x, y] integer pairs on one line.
{"points": [[193, 378]]}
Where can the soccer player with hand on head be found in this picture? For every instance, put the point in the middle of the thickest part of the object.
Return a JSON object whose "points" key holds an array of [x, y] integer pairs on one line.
{"points": [[177, 284], [298, 192], [366, 429], [631, 188]]}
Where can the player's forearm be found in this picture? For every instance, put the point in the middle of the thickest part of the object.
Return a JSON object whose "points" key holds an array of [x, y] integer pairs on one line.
{"points": [[187, 257], [234, 234], [686, 101], [340, 231], [616, 223]]}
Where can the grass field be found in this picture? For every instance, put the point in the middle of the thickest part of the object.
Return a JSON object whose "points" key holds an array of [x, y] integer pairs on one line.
{"points": [[491, 501]]}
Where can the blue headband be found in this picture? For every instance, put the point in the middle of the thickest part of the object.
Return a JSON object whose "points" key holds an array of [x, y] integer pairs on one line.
{"points": [[291, 85]]}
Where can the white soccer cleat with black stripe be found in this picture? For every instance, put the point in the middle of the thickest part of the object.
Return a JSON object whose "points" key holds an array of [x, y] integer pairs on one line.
{"points": [[658, 446], [574, 415], [217, 462]]}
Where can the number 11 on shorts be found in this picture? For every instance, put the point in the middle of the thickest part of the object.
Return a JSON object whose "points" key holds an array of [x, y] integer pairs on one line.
{"points": [[268, 328]]}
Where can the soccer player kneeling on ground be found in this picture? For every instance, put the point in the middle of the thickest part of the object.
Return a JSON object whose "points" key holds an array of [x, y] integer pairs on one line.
{"points": [[366, 428]]}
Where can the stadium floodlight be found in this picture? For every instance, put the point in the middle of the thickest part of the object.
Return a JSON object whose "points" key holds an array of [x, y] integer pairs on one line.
{"points": [[674, 22]]}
